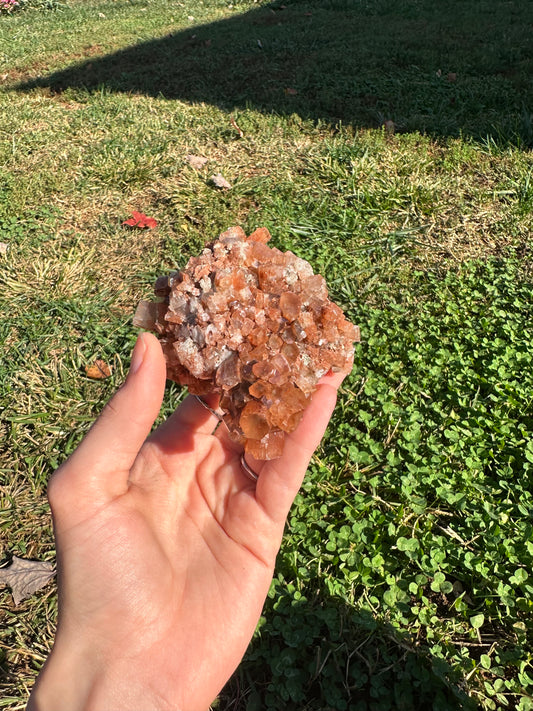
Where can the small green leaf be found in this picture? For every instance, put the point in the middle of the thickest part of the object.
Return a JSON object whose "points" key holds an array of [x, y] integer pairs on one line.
{"points": [[520, 576], [389, 598], [499, 685], [485, 661], [407, 544], [477, 621]]}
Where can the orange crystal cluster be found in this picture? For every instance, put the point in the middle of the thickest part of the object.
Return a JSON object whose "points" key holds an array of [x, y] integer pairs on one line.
{"points": [[255, 325]]}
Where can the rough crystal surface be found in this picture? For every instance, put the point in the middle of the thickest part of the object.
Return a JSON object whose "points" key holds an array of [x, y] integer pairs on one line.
{"points": [[255, 325]]}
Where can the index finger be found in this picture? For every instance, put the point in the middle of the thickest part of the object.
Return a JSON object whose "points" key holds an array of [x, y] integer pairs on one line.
{"points": [[193, 416]]}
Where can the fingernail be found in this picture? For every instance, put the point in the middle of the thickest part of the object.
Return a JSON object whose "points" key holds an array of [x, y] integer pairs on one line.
{"points": [[137, 356]]}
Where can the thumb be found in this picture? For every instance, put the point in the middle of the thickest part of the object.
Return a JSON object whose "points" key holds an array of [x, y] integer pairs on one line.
{"points": [[100, 465]]}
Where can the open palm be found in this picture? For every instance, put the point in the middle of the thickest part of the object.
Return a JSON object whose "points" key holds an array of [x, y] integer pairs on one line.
{"points": [[165, 548]]}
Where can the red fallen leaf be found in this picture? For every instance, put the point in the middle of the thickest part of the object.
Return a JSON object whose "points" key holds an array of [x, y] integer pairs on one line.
{"points": [[290, 91], [140, 220]]}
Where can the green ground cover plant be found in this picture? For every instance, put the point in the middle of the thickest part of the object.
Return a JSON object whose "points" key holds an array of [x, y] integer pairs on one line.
{"points": [[389, 145]]}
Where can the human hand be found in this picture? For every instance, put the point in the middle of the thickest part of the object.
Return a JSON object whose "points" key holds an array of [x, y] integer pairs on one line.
{"points": [[165, 549]]}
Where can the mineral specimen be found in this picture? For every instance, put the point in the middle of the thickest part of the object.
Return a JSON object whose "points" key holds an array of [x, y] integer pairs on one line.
{"points": [[255, 325]]}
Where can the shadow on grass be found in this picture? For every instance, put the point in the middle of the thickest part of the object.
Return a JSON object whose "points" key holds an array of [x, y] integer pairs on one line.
{"points": [[458, 67], [326, 656]]}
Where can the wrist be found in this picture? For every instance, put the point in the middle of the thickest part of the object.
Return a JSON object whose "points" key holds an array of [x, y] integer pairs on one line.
{"points": [[65, 683], [76, 680]]}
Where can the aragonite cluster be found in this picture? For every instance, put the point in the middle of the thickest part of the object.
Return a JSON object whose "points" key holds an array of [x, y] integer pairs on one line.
{"points": [[255, 325]]}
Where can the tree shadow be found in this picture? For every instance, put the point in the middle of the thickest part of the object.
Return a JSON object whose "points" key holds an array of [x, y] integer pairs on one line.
{"points": [[458, 67], [326, 656]]}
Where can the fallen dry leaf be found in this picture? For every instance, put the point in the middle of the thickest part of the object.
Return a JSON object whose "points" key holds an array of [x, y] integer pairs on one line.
{"points": [[197, 162], [3, 247], [99, 370], [220, 181], [290, 91], [140, 220], [25, 577]]}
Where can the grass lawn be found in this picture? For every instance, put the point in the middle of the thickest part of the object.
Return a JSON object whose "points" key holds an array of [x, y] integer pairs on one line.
{"points": [[390, 145]]}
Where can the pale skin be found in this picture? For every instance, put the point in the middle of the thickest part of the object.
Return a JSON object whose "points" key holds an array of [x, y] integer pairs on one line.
{"points": [[165, 549]]}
